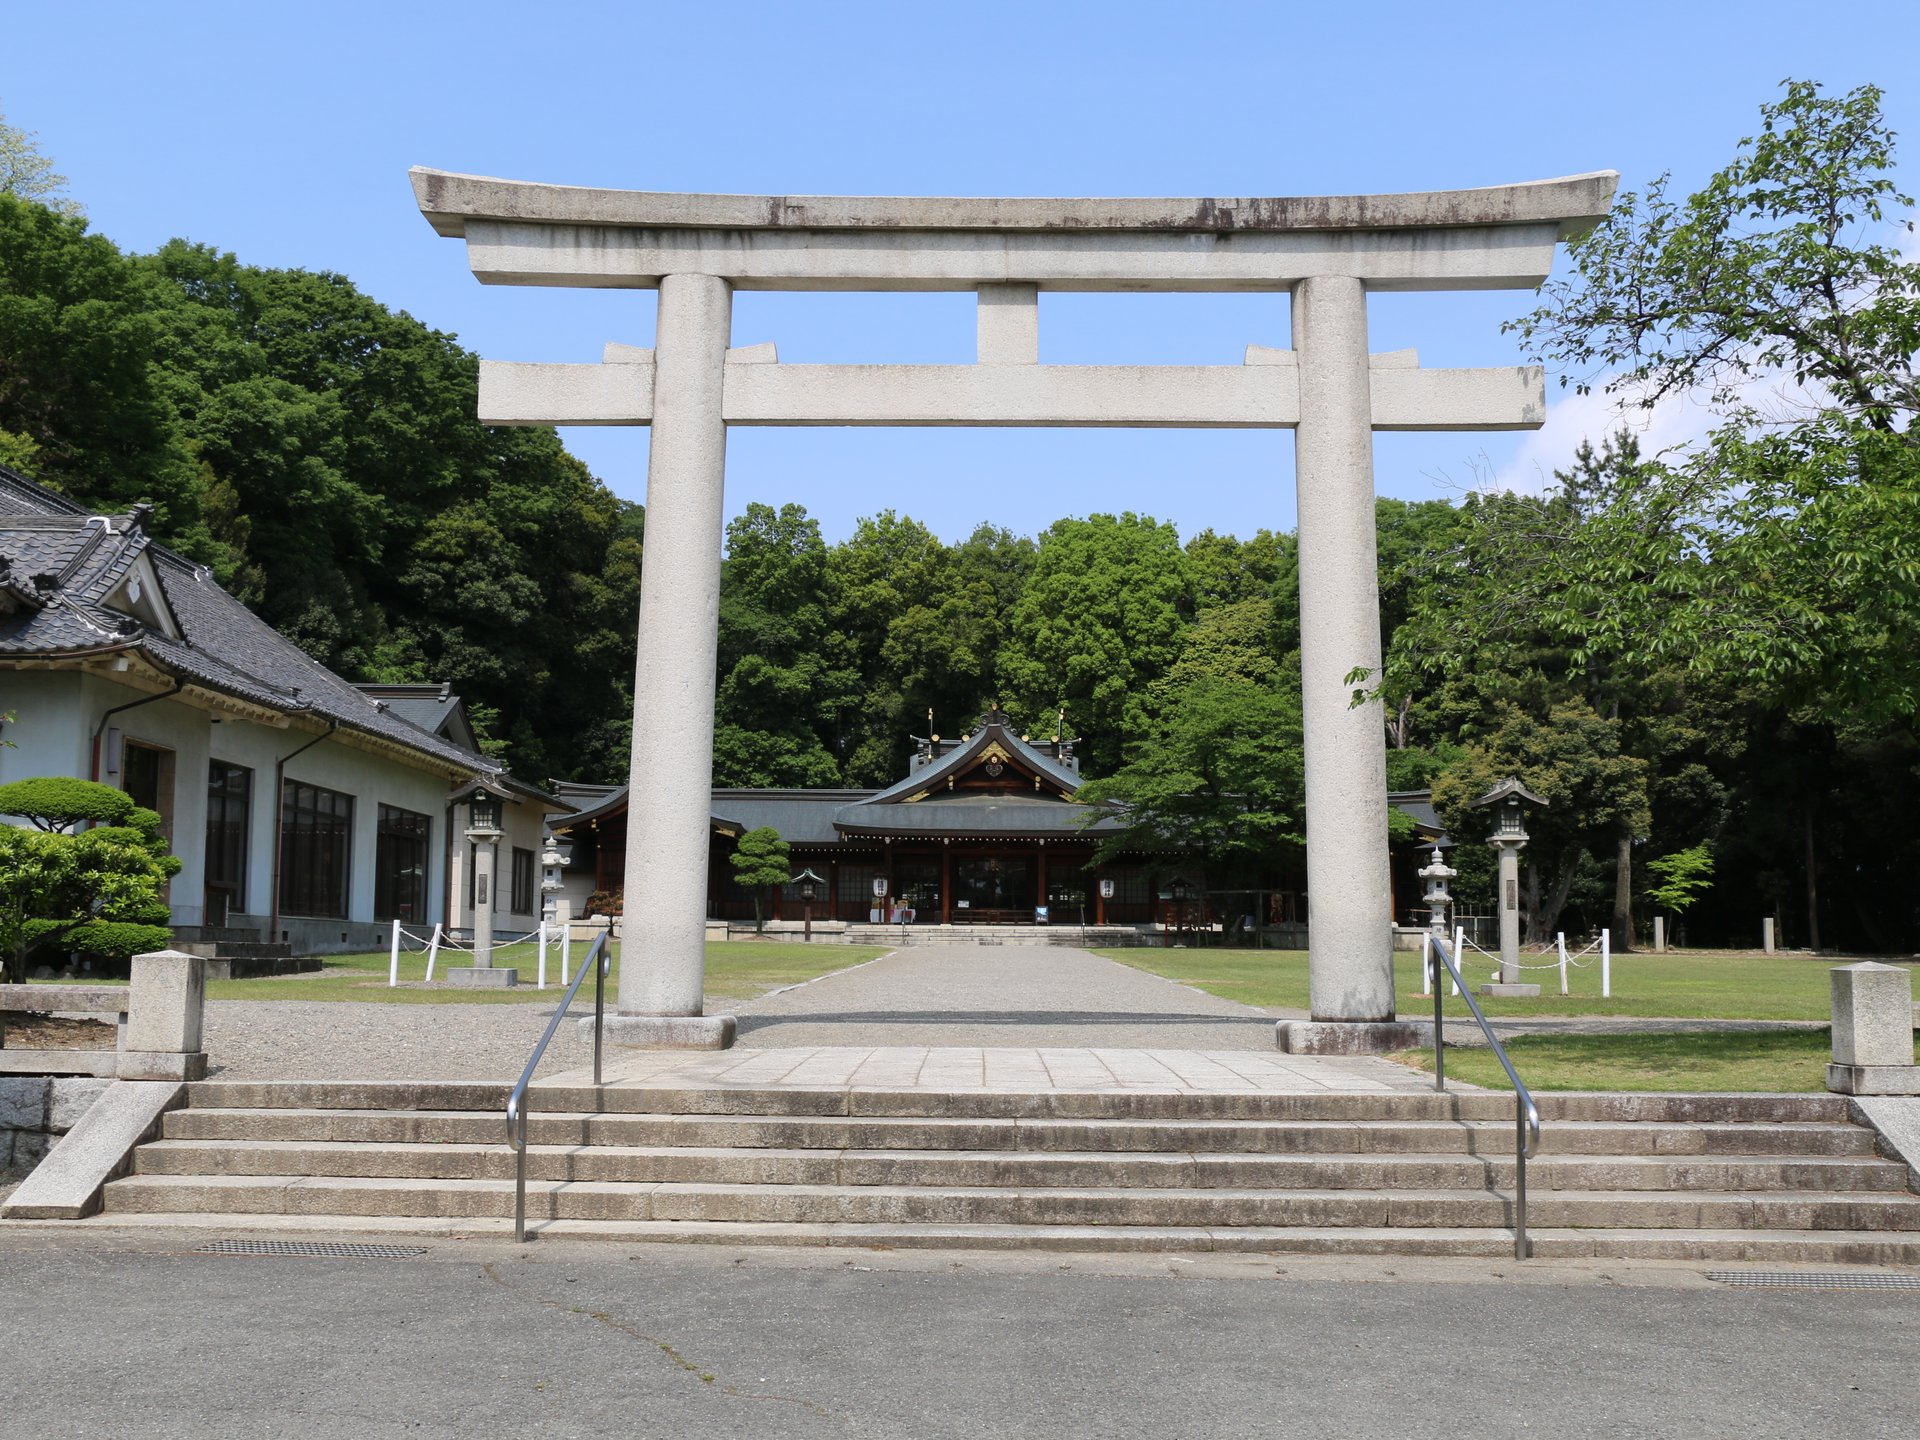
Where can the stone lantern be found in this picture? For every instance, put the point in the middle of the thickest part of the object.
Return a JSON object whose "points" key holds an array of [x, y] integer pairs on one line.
{"points": [[1434, 876], [554, 857], [483, 831], [1509, 837]]}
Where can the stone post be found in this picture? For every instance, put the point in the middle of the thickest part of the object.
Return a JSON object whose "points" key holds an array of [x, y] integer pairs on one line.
{"points": [[1348, 886], [669, 816], [1509, 911], [485, 852], [166, 1004], [1873, 1031], [1659, 934], [1766, 934]]}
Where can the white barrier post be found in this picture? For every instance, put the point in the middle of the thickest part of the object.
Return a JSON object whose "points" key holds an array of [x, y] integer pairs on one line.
{"points": [[1459, 953], [541, 984], [393, 958], [433, 951], [1561, 938], [566, 950], [1606, 964]]}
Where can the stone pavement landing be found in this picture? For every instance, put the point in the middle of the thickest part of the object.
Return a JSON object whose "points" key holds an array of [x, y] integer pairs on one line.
{"points": [[1010, 1069], [1001, 996]]}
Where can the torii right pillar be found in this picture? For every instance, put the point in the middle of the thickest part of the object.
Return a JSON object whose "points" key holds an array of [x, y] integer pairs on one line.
{"points": [[1349, 889]]}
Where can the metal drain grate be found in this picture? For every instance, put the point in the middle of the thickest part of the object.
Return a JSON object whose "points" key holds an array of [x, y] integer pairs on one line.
{"points": [[1816, 1279], [323, 1249]]}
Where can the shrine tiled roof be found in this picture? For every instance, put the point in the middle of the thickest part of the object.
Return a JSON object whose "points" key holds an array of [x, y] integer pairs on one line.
{"points": [[64, 578]]}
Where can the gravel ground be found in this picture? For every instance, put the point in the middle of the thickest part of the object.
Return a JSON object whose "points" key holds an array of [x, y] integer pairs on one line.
{"points": [[352, 1040]]}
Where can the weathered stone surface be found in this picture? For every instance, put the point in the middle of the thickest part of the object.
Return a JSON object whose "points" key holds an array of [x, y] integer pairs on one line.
{"points": [[70, 1099], [667, 1032], [1331, 1037], [1872, 1015], [66, 1185], [1520, 991], [448, 199], [23, 1102], [165, 1002]]}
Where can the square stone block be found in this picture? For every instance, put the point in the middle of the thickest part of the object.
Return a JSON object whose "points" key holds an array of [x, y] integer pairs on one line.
{"points": [[161, 1065], [472, 977], [1874, 1079], [1516, 992], [166, 999], [1872, 1015]]}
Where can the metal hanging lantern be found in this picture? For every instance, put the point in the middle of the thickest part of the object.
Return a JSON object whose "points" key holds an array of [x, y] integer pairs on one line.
{"points": [[483, 812], [809, 884]]}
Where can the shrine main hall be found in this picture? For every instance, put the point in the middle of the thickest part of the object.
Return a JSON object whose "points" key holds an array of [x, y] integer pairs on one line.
{"points": [[983, 829]]}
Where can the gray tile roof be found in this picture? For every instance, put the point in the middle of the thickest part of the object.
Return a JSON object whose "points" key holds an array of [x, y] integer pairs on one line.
{"points": [[976, 815], [222, 645]]}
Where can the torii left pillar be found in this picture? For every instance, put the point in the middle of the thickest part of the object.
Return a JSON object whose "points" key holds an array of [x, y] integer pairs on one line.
{"points": [[669, 795]]}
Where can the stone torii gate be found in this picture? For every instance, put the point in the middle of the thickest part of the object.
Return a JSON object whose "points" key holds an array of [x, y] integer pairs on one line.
{"points": [[696, 250]]}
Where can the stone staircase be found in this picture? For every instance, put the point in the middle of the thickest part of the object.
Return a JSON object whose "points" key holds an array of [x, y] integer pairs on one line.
{"points": [[1776, 1178], [233, 953]]}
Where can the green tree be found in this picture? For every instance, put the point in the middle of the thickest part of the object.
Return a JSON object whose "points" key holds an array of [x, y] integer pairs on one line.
{"points": [[1219, 775], [1683, 876], [1571, 757], [1784, 549], [82, 401], [779, 685], [1101, 618], [760, 860], [26, 174], [100, 892]]}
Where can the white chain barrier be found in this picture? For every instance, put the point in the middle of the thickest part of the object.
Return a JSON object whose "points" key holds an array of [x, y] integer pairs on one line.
{"points": [[1600, 950], [433, 944]]}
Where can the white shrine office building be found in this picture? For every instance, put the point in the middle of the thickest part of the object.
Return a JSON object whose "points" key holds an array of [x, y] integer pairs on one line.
{"points": [[305, 809]]}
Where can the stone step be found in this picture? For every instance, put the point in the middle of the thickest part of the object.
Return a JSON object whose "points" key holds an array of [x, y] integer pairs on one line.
{"points": [[1801, 1140], [1775, 1247], [905, 1168], [995, 1104], [831, 1204]]}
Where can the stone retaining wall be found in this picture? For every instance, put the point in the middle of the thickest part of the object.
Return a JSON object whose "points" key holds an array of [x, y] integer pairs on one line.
{"points": [[35, 1111]]}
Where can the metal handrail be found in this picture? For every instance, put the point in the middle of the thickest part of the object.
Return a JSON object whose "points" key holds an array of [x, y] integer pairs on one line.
{"points": [[1526, 1114], [598, 961]]}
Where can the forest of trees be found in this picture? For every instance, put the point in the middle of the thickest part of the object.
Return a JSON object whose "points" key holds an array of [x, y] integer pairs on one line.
{"points": [[1711, 653]]}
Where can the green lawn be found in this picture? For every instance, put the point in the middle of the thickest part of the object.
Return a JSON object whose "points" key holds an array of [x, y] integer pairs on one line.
{"points": [[1767, 1061], [1696, 985], [736, 970]]}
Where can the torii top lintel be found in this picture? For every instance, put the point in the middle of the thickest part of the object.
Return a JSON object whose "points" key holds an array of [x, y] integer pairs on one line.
{"points": [[1499, 237]]}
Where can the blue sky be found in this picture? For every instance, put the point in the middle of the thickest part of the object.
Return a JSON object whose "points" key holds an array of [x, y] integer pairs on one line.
{"points": [[284, 133]]}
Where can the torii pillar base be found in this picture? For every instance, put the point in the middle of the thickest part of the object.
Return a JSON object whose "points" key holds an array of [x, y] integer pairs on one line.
{"points": [[665, 1032], [1351, 1037]]}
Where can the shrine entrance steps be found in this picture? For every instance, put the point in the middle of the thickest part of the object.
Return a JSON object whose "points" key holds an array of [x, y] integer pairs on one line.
{"points": [[1733, 1177]]}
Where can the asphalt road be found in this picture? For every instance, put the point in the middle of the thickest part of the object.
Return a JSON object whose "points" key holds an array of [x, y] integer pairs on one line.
{"points": [[110, 1337]]}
